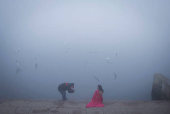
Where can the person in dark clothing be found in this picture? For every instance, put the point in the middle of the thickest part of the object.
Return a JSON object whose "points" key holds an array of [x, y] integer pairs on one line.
{"points": [[64, 87]]}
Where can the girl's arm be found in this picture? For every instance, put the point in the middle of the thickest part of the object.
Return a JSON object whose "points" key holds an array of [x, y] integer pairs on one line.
{"points": [[94, 94]]}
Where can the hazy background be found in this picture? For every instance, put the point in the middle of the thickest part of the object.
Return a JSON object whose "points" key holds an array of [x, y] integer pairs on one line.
{"points": [[74, 40]]}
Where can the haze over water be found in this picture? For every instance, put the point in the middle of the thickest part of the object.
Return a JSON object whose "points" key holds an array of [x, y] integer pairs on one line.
{"points": [[118, 44]]}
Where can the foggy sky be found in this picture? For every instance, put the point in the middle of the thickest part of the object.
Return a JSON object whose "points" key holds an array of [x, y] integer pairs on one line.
{"points": [[64, 34]]}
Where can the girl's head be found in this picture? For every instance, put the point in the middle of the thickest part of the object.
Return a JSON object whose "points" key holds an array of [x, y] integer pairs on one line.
{"points": [[99, 87]]}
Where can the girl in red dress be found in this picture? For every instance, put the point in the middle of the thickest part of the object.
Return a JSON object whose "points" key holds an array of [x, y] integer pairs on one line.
{"points": [[97, 98]]}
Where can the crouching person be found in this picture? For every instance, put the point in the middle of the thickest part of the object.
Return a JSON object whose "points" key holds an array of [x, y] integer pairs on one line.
{"points": [[62, 88]]}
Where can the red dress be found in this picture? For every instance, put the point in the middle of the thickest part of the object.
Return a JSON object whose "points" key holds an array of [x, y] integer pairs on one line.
{"points": [[96, 100]]}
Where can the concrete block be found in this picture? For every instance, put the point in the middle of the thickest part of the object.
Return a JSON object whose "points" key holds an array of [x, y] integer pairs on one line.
{"points": [[157, 104], [2, 102], [135, 111], [39, 110], [36, 103], [94, 110], [58, 111], [66, 104], [124, 104], [109, 111], [120, 111], [15, 102], [75, 104], [77, 111], [157, 111], [54, 103], [108, 103], [7, 110], [22, 110]]}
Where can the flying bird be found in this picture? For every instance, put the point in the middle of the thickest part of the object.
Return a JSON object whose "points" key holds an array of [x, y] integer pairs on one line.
{"points": [[36, 65], [18, 70], [17, 62], [17, 51], [96, 78], [96, 51], [86, 61], [36, 60], [115, 75], [109, 62]]}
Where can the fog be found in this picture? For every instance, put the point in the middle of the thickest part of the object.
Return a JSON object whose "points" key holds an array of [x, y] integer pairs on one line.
{"points": [[117, 44]]}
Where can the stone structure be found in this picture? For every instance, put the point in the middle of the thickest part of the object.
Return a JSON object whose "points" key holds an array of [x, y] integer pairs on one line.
{"points": [[21, 106], [160, 88]]}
